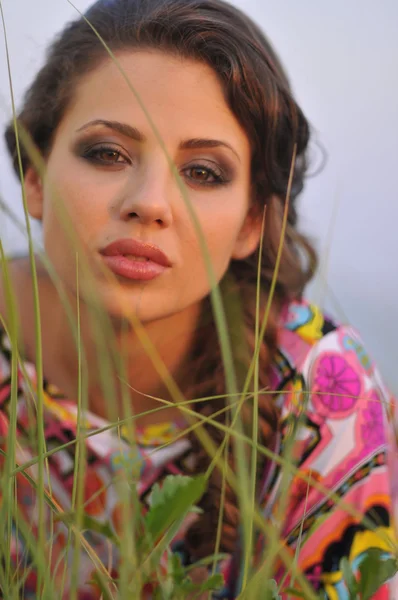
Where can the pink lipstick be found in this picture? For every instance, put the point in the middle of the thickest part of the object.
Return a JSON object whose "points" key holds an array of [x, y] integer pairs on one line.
{"points": [[135, 260]]}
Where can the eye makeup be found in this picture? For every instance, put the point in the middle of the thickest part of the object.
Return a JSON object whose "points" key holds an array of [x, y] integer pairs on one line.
{"points": [[103, 151]]}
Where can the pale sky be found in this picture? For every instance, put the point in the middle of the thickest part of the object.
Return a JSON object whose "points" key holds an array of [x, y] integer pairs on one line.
{"points": [[342, 59]]}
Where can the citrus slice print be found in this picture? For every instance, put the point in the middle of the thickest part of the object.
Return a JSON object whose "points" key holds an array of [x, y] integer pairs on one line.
{"points": [[339, 382]]}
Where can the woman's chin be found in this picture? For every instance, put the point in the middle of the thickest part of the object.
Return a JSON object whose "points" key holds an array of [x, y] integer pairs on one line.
{"points": [[120, 304]]}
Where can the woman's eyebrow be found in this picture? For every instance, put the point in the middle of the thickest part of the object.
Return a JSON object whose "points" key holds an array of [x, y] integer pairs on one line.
{"points": [[206, 143], [122, 128], [135, 134]]}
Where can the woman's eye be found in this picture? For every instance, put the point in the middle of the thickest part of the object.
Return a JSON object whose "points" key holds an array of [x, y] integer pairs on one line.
{"points": [[204, 175], [106, 156]]}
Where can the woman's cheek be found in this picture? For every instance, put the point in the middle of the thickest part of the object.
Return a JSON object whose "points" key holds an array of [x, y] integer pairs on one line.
{"points": [[223, 230]]}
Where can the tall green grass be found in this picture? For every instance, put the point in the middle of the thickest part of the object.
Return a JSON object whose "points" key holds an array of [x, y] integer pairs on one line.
{"points": [[143, 539]]}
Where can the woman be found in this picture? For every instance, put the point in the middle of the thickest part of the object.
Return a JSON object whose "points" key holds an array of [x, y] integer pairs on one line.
{"points": [[196, 116]]}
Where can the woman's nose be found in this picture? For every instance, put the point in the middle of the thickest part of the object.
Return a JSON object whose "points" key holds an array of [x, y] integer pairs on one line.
{"points": [[149, 201]]}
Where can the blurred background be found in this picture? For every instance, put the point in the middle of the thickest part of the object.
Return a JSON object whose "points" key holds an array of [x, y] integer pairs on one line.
{"points": [[342, 59]]}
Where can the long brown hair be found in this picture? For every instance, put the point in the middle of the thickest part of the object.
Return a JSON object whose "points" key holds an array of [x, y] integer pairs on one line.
{"points": [[258, 93]]}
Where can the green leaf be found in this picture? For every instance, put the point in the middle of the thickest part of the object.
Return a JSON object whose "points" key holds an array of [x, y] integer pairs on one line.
{"points": [[375, 570], [349, 578], [178, 572], [179, 584], [208, 560], [172, 501], [214, 582]]}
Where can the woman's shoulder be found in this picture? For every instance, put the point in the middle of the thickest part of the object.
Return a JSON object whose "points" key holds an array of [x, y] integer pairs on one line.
{"points": [[5, 348], [336, 406], [324, 370], [15, 286], [333, 388], [313, 343], [15, 280]]}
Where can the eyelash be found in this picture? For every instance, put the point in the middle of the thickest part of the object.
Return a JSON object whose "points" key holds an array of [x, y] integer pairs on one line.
{"points": [[218, 177], [92, 155]]}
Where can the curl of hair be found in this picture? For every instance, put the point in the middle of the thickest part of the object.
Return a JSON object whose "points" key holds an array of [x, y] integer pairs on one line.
{"points": [[258, 93]]}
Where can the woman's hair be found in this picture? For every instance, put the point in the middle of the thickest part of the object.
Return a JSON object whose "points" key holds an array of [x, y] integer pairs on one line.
{"points": [[258, 93]]}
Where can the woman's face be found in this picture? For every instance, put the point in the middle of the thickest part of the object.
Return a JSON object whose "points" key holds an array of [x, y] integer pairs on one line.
{"points": [[111, 174]]}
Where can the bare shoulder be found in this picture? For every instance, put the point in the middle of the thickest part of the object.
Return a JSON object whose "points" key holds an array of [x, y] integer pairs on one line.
{"points": [[19, 272], [20, 276]]}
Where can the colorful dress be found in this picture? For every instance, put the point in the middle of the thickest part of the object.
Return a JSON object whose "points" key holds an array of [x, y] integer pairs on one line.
{"points": [[332, 402]]}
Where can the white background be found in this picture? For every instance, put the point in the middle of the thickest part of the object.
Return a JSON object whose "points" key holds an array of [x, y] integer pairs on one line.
{"points": [[342, 58]]}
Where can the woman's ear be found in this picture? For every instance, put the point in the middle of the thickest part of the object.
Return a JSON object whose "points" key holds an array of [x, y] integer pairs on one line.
{"points": [[34, 193], [250, 234]]}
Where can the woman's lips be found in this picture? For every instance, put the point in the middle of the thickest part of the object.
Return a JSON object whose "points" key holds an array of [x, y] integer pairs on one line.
{"points": [[135, 260]]}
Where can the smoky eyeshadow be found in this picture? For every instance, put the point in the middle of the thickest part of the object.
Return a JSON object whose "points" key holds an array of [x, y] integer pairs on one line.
{"points": [[81, 146], [84, 144]]}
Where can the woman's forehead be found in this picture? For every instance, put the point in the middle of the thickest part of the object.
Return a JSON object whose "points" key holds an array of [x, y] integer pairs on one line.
{"points": [[180, 95]]}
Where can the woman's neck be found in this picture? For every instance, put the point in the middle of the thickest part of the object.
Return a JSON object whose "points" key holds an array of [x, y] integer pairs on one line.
{"points": [[115, 364]]}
